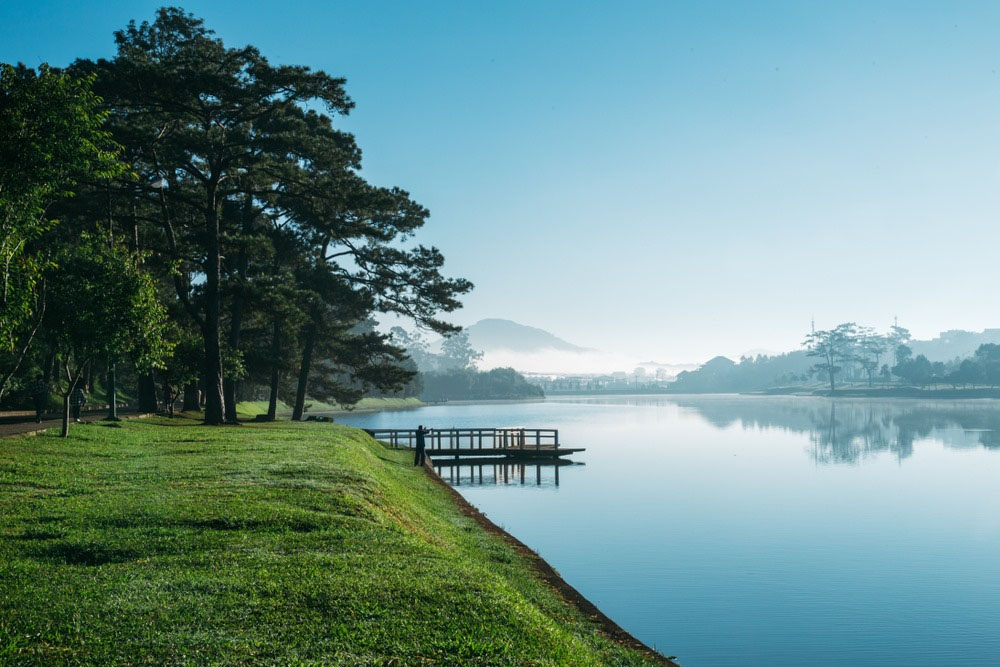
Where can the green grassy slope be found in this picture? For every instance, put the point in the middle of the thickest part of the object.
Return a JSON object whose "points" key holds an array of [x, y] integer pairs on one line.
{"points": [[168, 542]]}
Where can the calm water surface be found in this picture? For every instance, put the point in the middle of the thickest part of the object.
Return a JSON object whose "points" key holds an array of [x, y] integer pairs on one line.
{"points": [[733, 530]]}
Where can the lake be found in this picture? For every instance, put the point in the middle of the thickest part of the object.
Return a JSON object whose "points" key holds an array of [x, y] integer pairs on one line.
{"points": [[732, 530]]}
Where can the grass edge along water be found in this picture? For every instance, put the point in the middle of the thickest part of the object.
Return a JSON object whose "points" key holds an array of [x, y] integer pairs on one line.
{"points": [[164, 541]]}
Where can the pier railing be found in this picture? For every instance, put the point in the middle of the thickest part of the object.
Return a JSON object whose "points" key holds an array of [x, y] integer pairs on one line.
{"points": [[472, 438]]}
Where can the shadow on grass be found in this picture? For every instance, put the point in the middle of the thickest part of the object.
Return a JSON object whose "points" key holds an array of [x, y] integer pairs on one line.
{"points": [[40, 534], [74, 553]]}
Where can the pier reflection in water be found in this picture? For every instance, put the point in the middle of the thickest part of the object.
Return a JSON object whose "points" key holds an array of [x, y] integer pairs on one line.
{"points": [[458, 473]]}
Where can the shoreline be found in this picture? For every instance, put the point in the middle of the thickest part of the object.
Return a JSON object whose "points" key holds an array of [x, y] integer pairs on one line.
{"points": [[550, 575], [875, 393], [346, 554]]}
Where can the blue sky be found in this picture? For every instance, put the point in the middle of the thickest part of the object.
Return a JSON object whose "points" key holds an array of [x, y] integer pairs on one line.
{"points": [[667, 180]]}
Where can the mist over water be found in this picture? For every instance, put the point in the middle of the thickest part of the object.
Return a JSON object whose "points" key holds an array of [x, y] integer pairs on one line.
{"points": [[732, 530], [560, 361]]}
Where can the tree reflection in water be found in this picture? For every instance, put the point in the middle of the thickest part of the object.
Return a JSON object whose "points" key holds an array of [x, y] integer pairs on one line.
{"points": [[850, 430]]}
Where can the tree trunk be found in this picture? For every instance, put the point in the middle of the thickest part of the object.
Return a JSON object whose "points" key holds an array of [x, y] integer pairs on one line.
{"points": [[229, 384], [272, 404], [65, 420], [300, 390], [831, 382], [191, 401], [147, 393], [112, 394], [229, 400], [239, 301], [214, 406]]}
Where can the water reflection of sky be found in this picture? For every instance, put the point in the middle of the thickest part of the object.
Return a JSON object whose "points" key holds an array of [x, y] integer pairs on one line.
{"points": [[766, 531]]}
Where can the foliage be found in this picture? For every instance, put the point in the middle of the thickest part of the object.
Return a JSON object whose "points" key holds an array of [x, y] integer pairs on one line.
{"points": [[284, 543], [253, 198], [917, 371], [750, 374], [833, 348], [451, 375], [417, 348], [985, 365], [457, 353], [102, 306], [469, 384], [858, 354], [870, 348], [52, 136], [184, 363]]}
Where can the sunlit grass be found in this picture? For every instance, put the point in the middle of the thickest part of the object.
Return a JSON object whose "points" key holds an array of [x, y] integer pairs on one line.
{"points": [[249, 409], [168, 542]]}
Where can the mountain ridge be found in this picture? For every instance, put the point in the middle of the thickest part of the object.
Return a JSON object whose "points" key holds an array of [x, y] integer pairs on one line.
{"points": [[492, 334]]}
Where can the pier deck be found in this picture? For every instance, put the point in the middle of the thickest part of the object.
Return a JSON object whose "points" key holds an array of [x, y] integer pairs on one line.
{"points": [[503, 442]]}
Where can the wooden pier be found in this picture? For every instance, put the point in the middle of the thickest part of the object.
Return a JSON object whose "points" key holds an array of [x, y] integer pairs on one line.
{"points": [[498, 443]]}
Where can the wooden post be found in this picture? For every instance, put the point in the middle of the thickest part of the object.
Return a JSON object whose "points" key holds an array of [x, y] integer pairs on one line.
{"points": [[480, 446], [556, 436], [538, 439]]}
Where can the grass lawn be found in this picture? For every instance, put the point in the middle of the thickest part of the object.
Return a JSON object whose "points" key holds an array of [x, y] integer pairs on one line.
{"points": [[163, 541], [249, 409]]}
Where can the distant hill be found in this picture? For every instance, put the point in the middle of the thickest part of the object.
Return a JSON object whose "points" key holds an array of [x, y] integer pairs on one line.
{"points": [[954, 343], [491, 335]]}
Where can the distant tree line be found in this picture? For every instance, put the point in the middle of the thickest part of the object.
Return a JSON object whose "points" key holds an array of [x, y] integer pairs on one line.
{"points": [[187, 214], [846, 354], [721, 374], [451, 374], [848, 347]]}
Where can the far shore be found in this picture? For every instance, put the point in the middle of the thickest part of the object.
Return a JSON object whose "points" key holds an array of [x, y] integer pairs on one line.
{"points": [[249, 410], [846, 392]]}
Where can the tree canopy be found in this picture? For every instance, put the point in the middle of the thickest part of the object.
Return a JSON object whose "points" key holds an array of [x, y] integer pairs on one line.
{"points": [[52, 137]]}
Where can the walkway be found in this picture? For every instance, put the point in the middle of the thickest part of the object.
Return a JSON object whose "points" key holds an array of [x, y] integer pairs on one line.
{"points": [[23, 423]]}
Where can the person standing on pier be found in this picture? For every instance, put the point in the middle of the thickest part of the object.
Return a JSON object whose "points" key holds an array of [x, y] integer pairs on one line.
{"points": [[418, 457]]}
